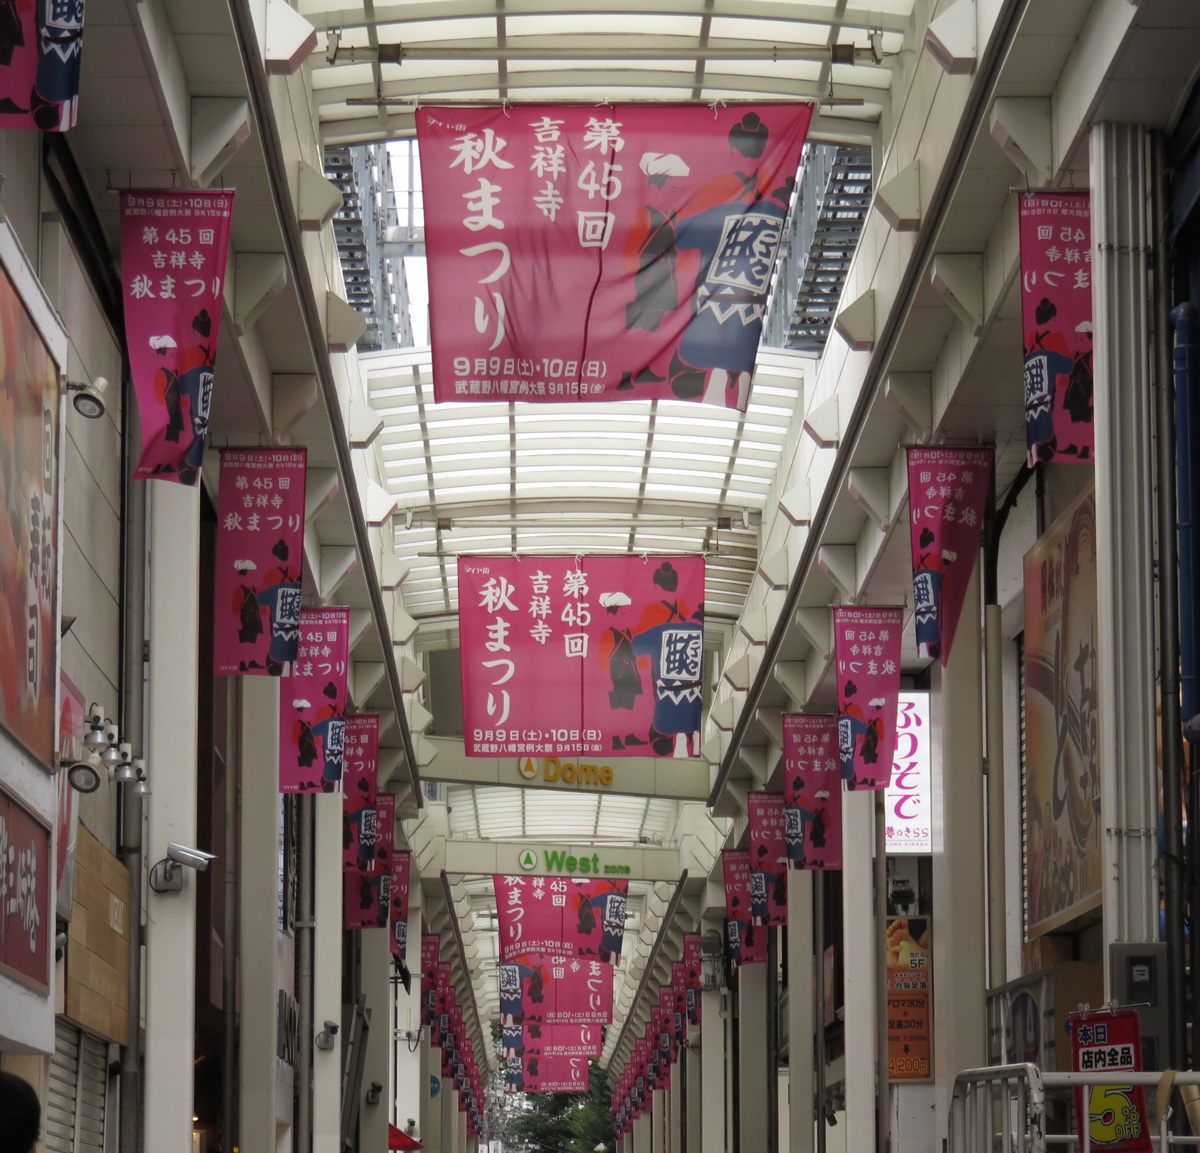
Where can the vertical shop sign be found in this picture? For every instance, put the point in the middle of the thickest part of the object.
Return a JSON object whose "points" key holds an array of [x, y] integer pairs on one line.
{"points": [[812, 791], [747, 942], [1107, 1042], [312, 705], [768, 859], [947, 498], [909, 998], [1056, 319], [173, 251], [908, 800], [867, 645], [41, 49], [260, 560]]}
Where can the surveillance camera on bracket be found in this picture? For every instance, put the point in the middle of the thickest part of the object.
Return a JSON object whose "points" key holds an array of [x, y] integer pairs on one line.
{"points": [[167, 875], [324, 1039]]}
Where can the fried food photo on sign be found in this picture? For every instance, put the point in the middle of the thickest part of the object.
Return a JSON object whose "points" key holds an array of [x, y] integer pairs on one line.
{"points": [[904, 939]]}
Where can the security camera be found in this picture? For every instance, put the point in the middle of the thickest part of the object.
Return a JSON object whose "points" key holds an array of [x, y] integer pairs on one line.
{"points": [[88, 398], [167, 875], [324, 1039], [374, 1093], [196, 859]]}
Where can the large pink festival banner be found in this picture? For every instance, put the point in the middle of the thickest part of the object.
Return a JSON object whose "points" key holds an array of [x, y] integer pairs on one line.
{"points": [[867, 643], [534, 1073], [693, 959], [398, 917], [582, 654], [173, 251], [947, 498], [41, 47], [551, 1040], [615, 253], [1056, 320], [260, 560], [560, 915], [747, 942], [368, 892], [812, 790], [768, 858], [360, 786], [312, 705], [679, 987], [556, 990]]}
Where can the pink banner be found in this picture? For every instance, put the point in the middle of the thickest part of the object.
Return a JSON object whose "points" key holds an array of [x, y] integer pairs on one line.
{"points": [[546, 990], [431, 947], [747, 941], [369, 890], [535, 1073], [1056, 318], [398, 917], [443, 990], [867, 644], [679, 986], [768, 859], [312, 705], [260, 560], [695, 975], [600, 654], [173, 251], [812, 791], [665, 219], [360, 787], [560, 915], [518, 1039], [40, 53], [947, 497]]}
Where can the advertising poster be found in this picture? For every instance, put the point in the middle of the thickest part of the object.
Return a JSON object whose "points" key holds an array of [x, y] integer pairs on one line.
{"points": [[260, 560], [26, 888], [591, 654], [746, 941], [768, 859], [1062, 775], [312, 705], [812, 791], [1116, 1114], [908, 800], [909, 999], [561, 915], [867, 642], [545, 990], [666, 219], [41, 49]]}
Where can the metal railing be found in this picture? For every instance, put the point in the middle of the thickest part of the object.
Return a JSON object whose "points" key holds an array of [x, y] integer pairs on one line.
{"points": [[1004, 1108]]}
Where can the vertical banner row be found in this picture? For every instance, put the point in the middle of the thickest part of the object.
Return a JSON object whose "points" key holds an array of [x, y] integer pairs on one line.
{"points": [[312, 706]]}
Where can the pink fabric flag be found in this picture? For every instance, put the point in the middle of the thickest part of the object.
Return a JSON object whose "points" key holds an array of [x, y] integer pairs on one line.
{"points": [[679, 986], [551, 1040], [260, 560], [812, 791], [534, 1073], [40, 54], [580, 253], [173, 250], [369, 890], [947, 496], [867, 647], [360, 786], [560, 915], [549, 990], [312, 705], [768, 859], [442, 991], [398, 917], [431, 947], [1056, 319], [695, 975], [747, 941]]}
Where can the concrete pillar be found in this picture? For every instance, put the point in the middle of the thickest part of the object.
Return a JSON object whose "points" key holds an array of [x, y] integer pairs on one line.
{"points": [[801, 1021], [658, 1121], [642, 1133], [431, 1106], [959, 906], [449, 1099], [408, 1071], [376, 987], [675, 1107], [327, 973], [171, 751], [753, 1056], [712, 1074], [695, 1093], [858, 952]]}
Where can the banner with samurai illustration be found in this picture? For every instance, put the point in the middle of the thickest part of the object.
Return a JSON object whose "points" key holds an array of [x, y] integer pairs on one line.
{"points": [[692, 958], [551, 1040], [260, 560], [312, 705], [547, 990], [1062, 775], [537, 1074], [867, 650], [368, 890], [398, 917], [584, 253], [360, 817], [812, 791], [592, 654], [173, 251], [679, 989], [41, 47], [947, 496], [560, 915], [1056, 319], [768, 859], [747, 942]]}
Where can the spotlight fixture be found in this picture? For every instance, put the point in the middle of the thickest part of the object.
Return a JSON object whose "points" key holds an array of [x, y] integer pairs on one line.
{"points": [[141, 786], [84, 776], [95, 739], [124, 771], [88, 399], [112, 755]]}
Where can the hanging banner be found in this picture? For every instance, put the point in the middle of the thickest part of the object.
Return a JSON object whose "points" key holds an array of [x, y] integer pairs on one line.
{"points": [[369, 891], [679, 986], [398, 918], [867, 646], [947, 498], [431, 947], [909, 798], [443, 990], [173, 251], [768, 859], [312, 705], [260, 560], [909, 999], [1056, 319], [812, 791], [551, 1040], [360, 818], [692, 958], [1106, 1042], [540, 989], [40, 52], [535, 1073], [560, 915], [622, 253], [747, 941], [600, 654]]}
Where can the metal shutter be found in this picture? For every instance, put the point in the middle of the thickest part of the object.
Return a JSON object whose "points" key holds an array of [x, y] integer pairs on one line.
{"points": [[75, 1101]]}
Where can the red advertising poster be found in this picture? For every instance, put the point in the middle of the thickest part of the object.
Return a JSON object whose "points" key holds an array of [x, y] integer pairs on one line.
{"points": [[909, 999], [812, 791], [747, 941], [1056, 319], [260, 560], [40, 52], [173, 250], [1108, 1042], [592, 654], [947, 497], [398, 918], [360, 788], [867, 644], [546, 990], [768, 859], [312, 705], [560, 915], [26, 885], [666, 219]]}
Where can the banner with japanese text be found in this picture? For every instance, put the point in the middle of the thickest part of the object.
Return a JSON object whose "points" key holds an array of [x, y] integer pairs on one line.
{"points": [[617, 253], [431, 948], [360, 786], [1056, 320], [768, 859], [812, 791], [679, 984], [947, 497], [692, 958], [398, 917], [1106, 1042], [443, 990], [551, 990], [908, 801], [520, 1038], [747, 942], [41, 49], [369, 890], [537, 1074], [312, 705], [260, 560], [27, 887], [174, 245], [560, 915], [867, 644], [909, 999]]}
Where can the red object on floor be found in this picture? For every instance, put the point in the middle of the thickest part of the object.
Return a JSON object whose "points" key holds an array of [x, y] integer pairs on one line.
{"points": [[398, 1139]]}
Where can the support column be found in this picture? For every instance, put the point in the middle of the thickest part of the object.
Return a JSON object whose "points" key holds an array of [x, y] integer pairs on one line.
{"points": [[1121, 247], [171, 711], [675, 1108], [376, 987], [753, 1057], [642, 1133], [712, 1074], [658, 1119], [449, 1100], [431, 1106], [327, 975], [695, 1091], [959, 906], [858, 951], [801, 1020]]}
